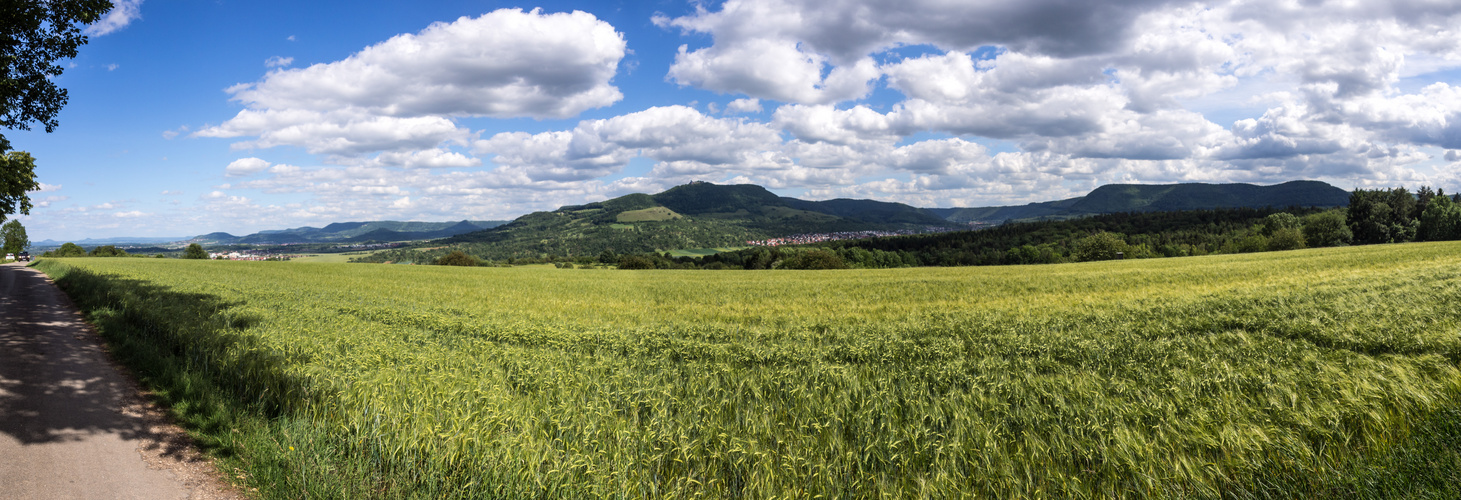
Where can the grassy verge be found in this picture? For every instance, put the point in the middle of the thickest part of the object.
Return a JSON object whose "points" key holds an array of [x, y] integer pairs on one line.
{"points": [[1326, 373], [230, 393]]}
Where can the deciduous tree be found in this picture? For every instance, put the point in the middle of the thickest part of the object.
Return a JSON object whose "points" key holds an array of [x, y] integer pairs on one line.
{"points": [[195, 251], [458, 258], [34, 36], [1327, 229], [1279, 221], [14, 237], [1381, 215], [1100, 246], [1289, 238], [107, 251], [815, 259], [1440, 221], [70, 250]]}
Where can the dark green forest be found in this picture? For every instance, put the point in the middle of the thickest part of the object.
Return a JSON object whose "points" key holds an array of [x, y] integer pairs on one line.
{"points": [[1372, 217]]}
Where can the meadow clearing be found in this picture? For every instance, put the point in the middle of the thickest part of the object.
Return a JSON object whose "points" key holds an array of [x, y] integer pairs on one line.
{"points": [[332, 258], [1329, 372]]}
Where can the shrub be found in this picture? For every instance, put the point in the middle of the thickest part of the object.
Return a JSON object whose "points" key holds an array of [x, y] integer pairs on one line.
{"points": [[608, 257], [458, 258]]}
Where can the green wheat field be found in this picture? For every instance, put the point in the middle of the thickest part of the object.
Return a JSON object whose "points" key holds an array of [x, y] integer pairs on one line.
{"points": [[1315, 373]]}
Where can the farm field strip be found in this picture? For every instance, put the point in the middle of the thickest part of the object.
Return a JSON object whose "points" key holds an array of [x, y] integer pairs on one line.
{"points": [[1192, 377]]}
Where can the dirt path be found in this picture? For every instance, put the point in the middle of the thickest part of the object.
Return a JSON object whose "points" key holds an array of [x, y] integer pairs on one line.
{"points": [[71, 425]]}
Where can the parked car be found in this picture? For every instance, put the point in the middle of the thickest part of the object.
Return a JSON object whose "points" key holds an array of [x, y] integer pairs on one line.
{"points": [[23, 257], [9, 257]]}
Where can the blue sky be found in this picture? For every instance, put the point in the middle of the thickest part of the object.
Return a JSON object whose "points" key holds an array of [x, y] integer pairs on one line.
{"points": [[192, 117]]}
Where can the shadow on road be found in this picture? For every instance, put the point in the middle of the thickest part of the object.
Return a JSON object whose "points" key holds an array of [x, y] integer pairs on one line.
{"points": [[56, 383]]}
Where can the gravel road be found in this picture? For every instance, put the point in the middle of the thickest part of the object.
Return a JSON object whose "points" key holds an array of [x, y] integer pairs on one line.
{"points": [[71, 425]]}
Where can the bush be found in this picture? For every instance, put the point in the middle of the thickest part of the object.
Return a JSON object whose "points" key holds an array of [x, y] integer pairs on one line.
{"points": [[458, 258], [608, 257], [1286, 239], [635, 262]]}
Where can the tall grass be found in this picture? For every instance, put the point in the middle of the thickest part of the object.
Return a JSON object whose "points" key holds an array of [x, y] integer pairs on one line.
{"points": [[1295, 374]]}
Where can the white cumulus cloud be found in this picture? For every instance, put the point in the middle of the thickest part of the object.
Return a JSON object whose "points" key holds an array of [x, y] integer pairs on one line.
{"points": [[403, 94], [245, 166], [507, 63], [123, 13]]}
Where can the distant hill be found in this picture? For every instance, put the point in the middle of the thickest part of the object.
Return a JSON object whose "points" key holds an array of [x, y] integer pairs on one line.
{"points": [[740, 201], [695, 215], [1114, 198], [351, 232], [705, 215], [119, 241]]}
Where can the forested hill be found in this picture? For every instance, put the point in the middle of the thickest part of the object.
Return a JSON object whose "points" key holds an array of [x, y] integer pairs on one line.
{"points": [[738, 201], [1117, 198], [695, 215], [352, 232], [705, 215]]}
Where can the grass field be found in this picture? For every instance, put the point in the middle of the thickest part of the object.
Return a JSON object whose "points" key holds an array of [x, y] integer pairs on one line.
{"points": [[701, 252], [1320, 373], [648, 215], [332, 258]]}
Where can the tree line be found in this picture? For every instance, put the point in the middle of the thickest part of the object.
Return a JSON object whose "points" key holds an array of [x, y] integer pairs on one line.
{"points": [[68, 250], [1371, 217]]}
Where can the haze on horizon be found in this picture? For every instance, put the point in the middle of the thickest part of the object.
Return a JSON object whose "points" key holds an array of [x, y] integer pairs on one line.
{"points": [[193, 117]]}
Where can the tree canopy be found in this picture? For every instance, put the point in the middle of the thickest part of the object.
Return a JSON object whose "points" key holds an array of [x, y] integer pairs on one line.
{"points": [[67, 250], [17, 177], [34, 36], [14, 237], [107, 251], [458, 258], [1100, 246], [195, 251]]}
